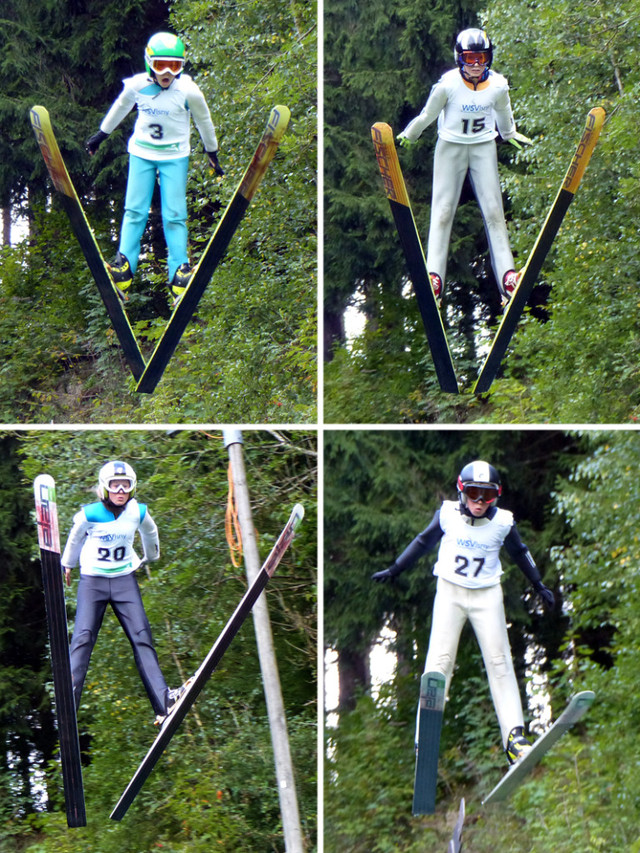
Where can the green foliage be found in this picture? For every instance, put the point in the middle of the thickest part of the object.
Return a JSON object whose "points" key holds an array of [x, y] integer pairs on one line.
{"points": [[249, 356], [575, 354], [382, 488], [216, 784], [369, 772], [584, 796]]}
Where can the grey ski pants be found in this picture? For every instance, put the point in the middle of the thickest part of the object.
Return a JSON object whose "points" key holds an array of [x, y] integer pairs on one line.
{"points": [[452, 161], [123, 594]]}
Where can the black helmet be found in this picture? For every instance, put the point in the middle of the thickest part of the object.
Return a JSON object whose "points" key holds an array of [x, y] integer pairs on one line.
{"points": [[482, 477], [473, 41]]}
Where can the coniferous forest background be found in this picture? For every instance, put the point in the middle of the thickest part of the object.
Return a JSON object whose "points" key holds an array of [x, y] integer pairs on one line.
{"points": [[574, 357], [215, 788], [249, 356], [575, 500]]}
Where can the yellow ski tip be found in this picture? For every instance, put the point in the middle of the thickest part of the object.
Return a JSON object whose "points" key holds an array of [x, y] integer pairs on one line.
{"points": [[279, 120], [595, 121]]}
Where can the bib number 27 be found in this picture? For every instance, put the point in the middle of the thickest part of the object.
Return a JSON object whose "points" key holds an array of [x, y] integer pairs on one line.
{"points": [[464, 564]]}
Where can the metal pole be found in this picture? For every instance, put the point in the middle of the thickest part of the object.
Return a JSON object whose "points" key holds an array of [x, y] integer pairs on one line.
{"points": [[268, 664]]}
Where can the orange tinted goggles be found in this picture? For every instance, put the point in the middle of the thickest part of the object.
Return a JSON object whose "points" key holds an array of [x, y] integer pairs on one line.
{"points": [[174, 66], [470, 57]]}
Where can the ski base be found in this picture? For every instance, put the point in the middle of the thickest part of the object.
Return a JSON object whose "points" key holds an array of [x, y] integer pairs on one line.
{"points": [[575, 710], [396, 193], [41, 123], [455, 845], [547, 235], [49, 541], [215, 249], [430, 714], [211, 661]]}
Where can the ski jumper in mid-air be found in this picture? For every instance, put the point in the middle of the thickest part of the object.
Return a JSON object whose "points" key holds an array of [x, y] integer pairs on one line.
{"points": [[470, 532], [469, 102], [159, 146], [101, 540]]}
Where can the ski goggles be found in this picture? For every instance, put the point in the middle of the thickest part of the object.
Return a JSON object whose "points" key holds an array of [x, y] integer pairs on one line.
{"points": [[470, 57], [162, 64], [482, 493], [120, 485]]}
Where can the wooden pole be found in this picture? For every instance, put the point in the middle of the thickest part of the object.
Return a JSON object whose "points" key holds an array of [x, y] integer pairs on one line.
{"points": [[293, 839]]}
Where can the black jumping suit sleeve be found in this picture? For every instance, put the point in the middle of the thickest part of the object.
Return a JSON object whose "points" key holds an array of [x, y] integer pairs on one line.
{"points": [[421, 545], [521, 556]]}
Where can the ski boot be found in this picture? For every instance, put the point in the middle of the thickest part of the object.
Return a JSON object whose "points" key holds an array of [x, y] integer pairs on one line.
{"points": [[172, 700], [180, 280], [436, 286], [121, 274], [517, 745], [510, 282]]}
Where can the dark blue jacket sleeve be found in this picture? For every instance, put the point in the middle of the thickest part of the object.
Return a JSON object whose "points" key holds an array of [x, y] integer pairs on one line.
{"points": [[521, 555], [421, 545]]}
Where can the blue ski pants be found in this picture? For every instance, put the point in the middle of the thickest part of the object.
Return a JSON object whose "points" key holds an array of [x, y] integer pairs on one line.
{"points": [[172, 175], [123, 594]]}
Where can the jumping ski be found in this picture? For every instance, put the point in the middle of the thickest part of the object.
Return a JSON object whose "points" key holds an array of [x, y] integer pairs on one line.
{"points": [[211, 661], [45, 136], [430, 714], [455, 845], [215, 249], [49, 541], [575, 710], [396, 193], [547, 235]]}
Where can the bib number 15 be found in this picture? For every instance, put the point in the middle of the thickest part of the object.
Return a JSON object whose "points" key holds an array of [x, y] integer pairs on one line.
{"points": [[464, 564], [475, 126]]}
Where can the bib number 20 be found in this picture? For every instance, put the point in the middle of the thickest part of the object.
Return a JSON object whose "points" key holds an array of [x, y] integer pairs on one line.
{"points": [[464, 564], [107, 555]]}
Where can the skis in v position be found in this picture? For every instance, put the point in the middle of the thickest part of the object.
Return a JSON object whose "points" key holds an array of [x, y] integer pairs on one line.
{"points": [[148, 375], [575, 710], [531, 270], [179, 712], [396, 193], [44, 489]]}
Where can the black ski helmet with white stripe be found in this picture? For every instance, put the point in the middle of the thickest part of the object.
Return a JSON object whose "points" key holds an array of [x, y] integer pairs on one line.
{"points": [[482, 474], [476, 41]]}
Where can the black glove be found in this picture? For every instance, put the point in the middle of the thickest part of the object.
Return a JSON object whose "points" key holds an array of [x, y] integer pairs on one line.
{"points": [[213, 159], [93, 142], [545, 594], [384, 575]]}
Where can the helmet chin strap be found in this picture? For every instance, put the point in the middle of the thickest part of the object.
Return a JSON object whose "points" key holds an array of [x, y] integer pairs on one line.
{"points": [[475, 81], [474, 520]]}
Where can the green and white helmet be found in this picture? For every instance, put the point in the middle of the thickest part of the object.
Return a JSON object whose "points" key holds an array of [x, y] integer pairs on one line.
{"points": [[116, 476], [164, 52]]}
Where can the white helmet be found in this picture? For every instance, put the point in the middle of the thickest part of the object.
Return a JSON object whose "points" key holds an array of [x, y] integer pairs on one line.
{"points": [[119, 475]]}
